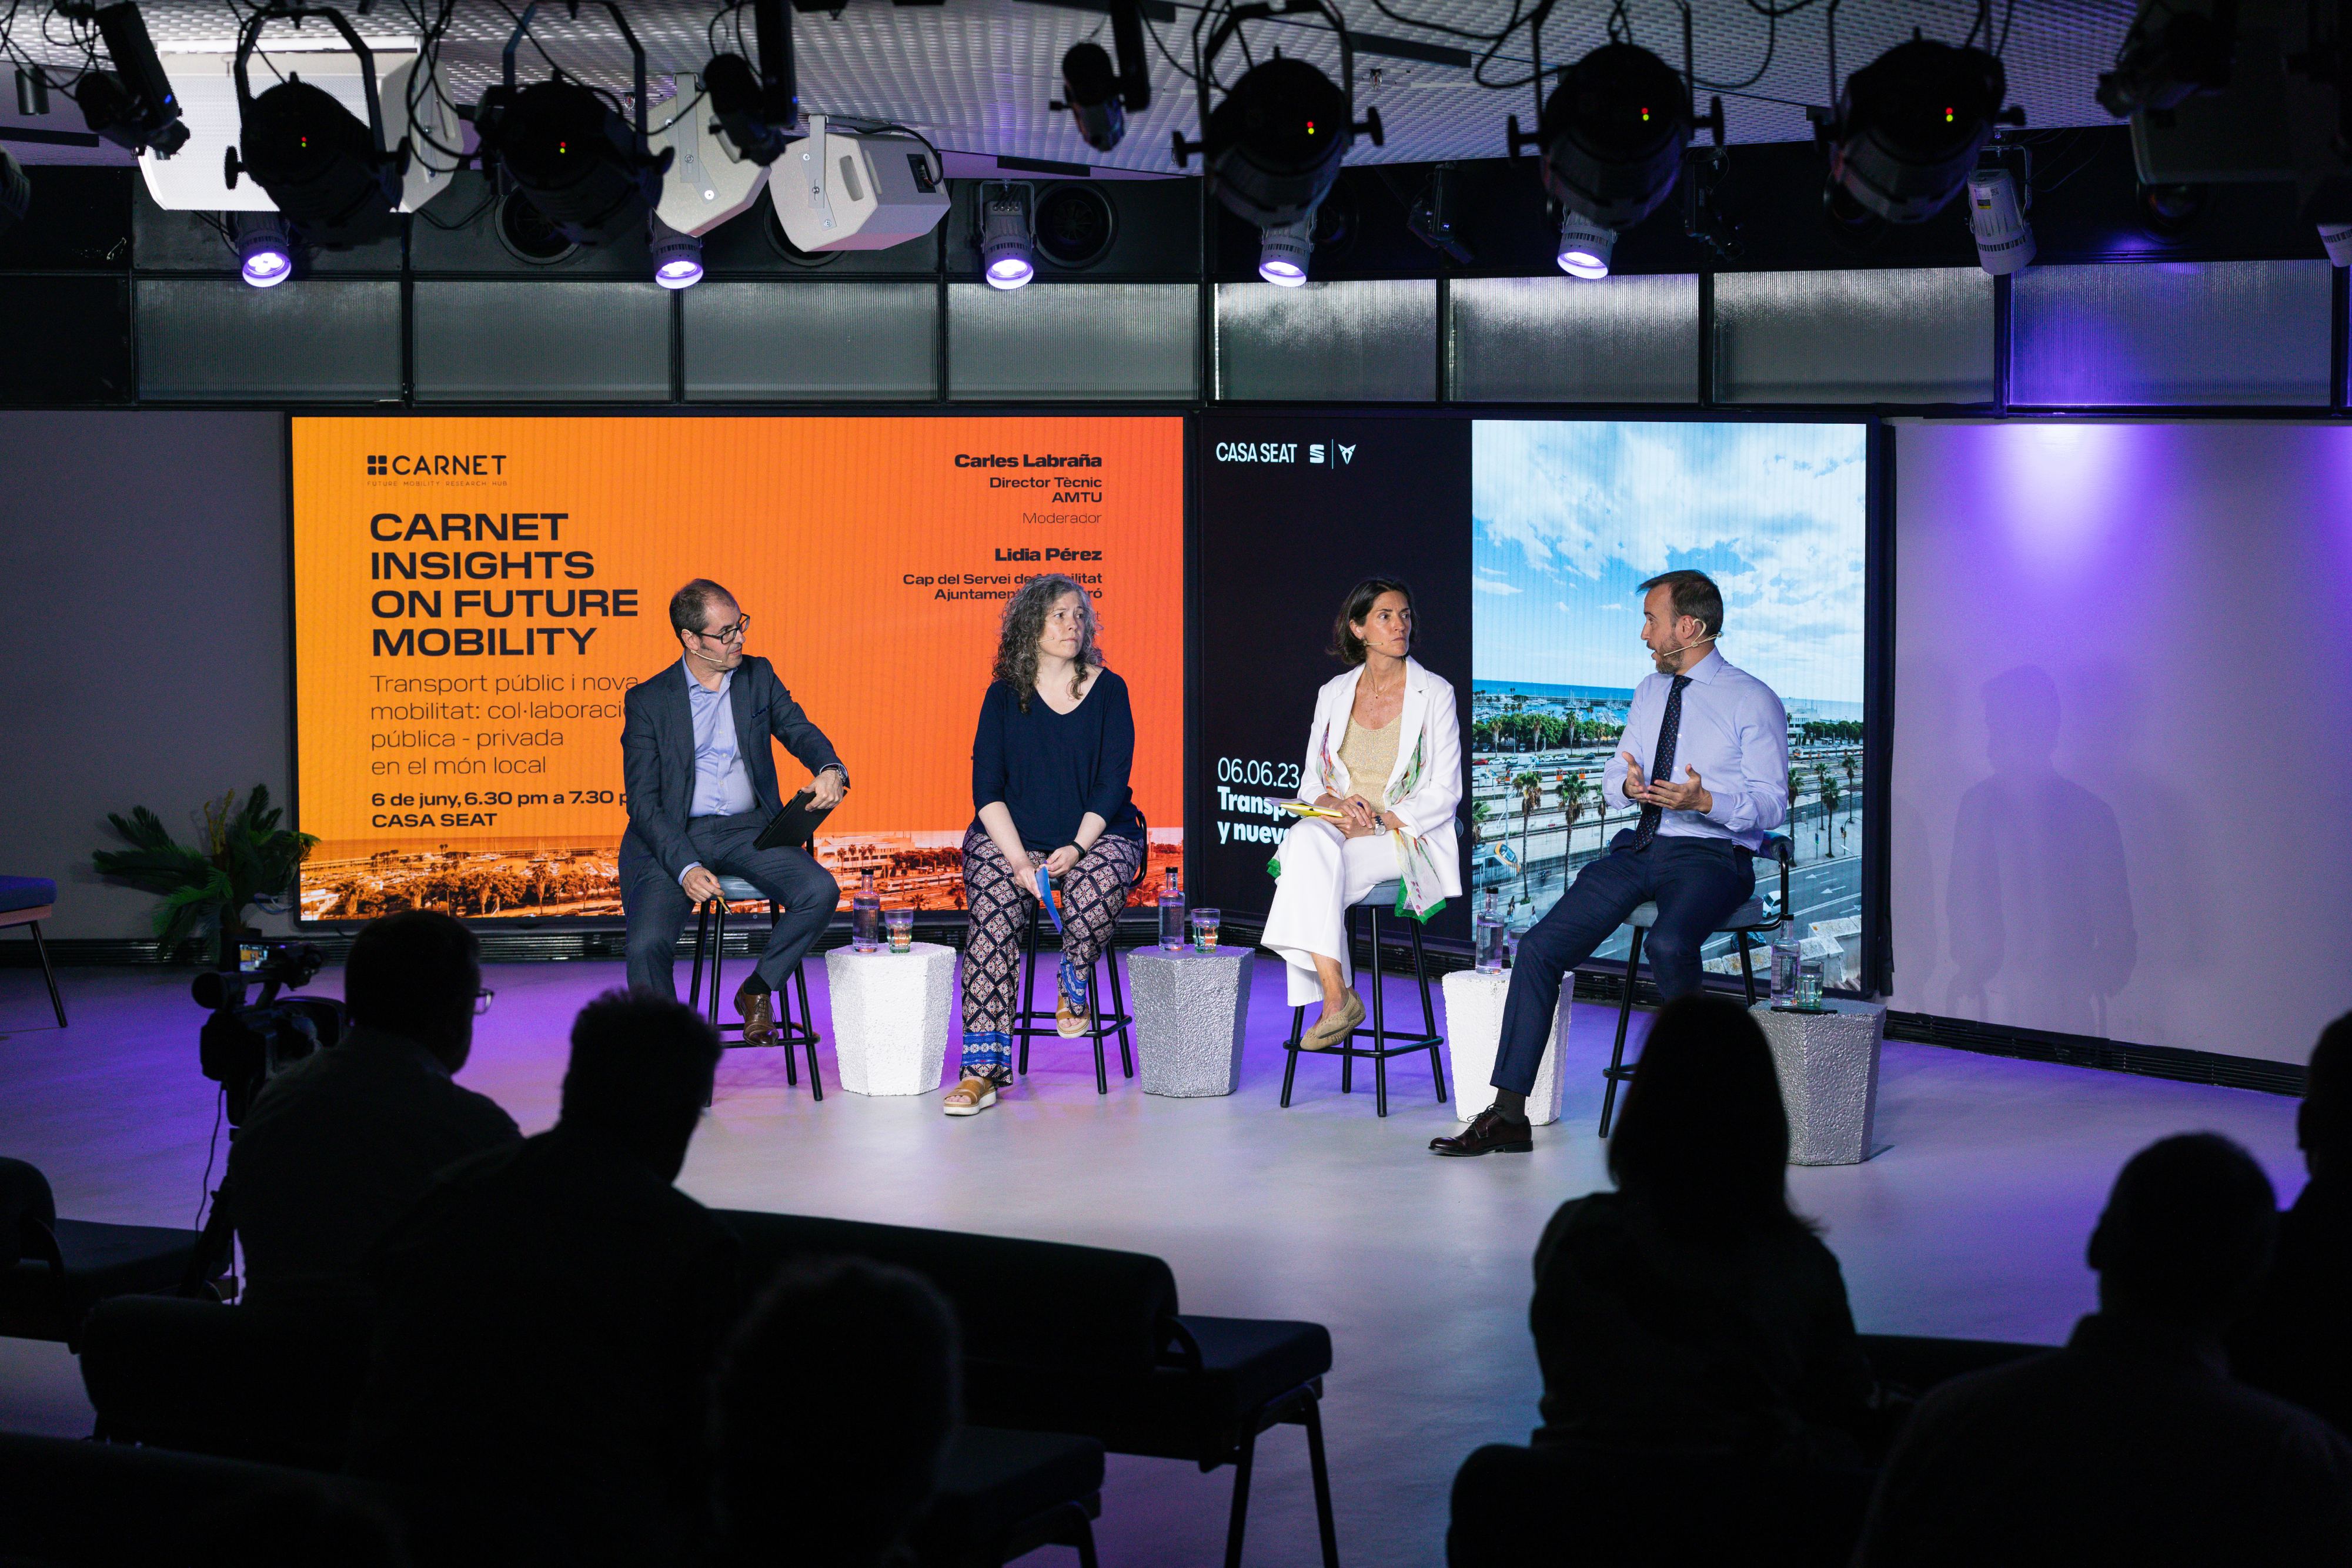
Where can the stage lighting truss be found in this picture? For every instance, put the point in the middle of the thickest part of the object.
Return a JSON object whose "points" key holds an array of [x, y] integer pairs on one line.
{"points": [[130, 104], [1100, 95], [757, 110], [593, 175], [336, 179], [1611, 141], [1008, 233], [1272, 146], [1904, 133]]}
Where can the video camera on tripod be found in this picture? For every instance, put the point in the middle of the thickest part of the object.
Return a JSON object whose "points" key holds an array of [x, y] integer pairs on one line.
{"points": [[244, 1044]]}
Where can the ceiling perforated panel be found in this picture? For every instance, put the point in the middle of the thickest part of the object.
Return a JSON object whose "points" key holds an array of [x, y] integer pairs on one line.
{"points": [[975, 75]]}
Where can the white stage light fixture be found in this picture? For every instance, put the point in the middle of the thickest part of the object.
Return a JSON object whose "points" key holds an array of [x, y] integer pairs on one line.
{"points": [[677, 257], [1584, 245], [839, 190], [1283, 250], [1008, 233], [708, 182], [1997, 218], [2337, 238], [264, 248]]}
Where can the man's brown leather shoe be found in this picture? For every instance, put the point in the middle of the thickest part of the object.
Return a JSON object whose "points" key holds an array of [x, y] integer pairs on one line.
{"points": [[1489, 1133], [758, 1011]]}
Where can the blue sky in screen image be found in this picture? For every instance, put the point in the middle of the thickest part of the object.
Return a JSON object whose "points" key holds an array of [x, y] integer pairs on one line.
{"points": [[1569, 515]]}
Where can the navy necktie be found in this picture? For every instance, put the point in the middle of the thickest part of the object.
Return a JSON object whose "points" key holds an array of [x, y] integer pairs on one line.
{"points": [[1662, 762]]}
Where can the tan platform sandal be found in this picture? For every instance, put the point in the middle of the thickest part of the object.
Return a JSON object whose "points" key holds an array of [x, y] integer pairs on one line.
{"points": [[970, 1097], [1330, 1030]]}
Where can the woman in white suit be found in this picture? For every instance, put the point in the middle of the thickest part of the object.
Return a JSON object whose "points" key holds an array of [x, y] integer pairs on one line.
{"points": [[1385, 755]]}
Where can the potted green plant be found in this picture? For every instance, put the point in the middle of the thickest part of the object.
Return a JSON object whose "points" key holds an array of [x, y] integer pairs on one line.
{"points": [[247, 857]]}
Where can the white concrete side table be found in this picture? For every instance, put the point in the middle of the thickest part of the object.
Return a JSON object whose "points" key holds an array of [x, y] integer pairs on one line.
{"points": [[1473, 1034], [1828, 1063], [890, 1016], [1190, 1009]]}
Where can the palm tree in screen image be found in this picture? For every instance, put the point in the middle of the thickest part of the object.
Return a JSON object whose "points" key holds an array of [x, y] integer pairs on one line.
{"points": [[1828, 786], [1573, 794], [1531, 786]]}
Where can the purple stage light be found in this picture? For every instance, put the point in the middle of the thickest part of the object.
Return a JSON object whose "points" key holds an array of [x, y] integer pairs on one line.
{"points": [[265, 249], [677, 257]]}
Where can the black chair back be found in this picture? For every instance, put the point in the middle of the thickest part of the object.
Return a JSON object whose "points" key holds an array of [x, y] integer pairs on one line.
{"points": [[28, 1215]]}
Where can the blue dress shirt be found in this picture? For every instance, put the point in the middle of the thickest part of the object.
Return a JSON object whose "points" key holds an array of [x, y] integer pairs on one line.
{"points": [[1734, 731], [722, 785]]}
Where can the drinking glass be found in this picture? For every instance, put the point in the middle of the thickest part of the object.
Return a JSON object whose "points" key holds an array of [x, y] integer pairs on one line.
{"points": [[900, 924], [1809, 983], [1204, 930]]}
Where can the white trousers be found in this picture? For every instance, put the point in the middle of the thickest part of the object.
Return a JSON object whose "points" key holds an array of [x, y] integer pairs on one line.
{"points": [[1323, 871]]}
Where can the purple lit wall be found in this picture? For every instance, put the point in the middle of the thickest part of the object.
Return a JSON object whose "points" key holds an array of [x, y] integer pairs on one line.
{"points": [[2122, 800]]}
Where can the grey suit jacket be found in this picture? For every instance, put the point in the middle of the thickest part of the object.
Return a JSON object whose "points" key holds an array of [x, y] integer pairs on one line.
{"points": [[657, 754]]}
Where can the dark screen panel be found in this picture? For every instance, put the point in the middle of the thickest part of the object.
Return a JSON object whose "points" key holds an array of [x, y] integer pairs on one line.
{"points": [[1283, 536]]}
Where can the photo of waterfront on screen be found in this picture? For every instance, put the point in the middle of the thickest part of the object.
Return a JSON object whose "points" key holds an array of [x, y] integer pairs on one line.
{"points": [[1567, 519]]}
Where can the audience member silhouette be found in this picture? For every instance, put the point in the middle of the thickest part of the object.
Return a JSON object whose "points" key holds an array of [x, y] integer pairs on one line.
{"points": [[1691, 1310], [827, 1459], [2132, 1444], [344, 1142], [2296, 1341], [549, 1312]]}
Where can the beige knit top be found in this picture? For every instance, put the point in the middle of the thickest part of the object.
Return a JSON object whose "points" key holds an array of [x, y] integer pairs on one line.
{"points": [[1370, 756]]}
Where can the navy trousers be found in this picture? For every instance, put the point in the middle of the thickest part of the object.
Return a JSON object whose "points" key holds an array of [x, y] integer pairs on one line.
{"points": [[1695, 884], [657, 907]]}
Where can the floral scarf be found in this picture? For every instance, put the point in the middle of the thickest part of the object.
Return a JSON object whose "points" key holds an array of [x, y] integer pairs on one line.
{"points": [[1417, 882]]}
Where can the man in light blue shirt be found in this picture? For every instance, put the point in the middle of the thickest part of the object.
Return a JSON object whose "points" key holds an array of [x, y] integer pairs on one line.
{"points": [[1704, 757], [701, 775]]}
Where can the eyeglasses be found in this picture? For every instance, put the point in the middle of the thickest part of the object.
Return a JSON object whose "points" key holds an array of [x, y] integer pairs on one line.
{"points": [[727, 634], [482, 1001]]}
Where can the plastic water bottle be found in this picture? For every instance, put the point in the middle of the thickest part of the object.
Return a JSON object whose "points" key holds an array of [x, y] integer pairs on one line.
{"points": [[865, 915], [1172, 932], [1787, 953], [1489, 932]]}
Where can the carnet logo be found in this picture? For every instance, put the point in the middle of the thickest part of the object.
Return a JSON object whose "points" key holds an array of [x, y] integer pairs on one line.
{"points": [[378, 466], [436, 464]]}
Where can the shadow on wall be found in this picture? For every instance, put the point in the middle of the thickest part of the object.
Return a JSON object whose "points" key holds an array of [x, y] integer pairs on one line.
{"points": [[2039, 903]]}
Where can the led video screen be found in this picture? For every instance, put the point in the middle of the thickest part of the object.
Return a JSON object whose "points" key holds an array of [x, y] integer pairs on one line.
{"points": [[1567, 518], [474, 597]]}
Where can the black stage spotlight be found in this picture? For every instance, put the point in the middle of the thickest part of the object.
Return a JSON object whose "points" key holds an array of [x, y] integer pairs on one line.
{"points": [[757, 110], [15, 191], [330, 176], [1273, 147], [1100, 97], [1907, 131], [569, 151], [131, 105], [1610, 144]]}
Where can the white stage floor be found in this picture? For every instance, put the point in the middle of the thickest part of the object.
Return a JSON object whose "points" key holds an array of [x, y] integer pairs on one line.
{"points": [[1971, 1224]]}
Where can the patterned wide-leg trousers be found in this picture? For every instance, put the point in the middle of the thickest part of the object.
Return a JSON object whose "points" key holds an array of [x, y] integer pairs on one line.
{"points": [[1090, 894]]}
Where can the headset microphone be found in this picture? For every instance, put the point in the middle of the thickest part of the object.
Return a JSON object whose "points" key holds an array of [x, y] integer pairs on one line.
{"points": [[1686, 647]]}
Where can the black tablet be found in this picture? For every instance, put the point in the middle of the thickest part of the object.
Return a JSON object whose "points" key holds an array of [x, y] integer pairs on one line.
{"points": [[795, 826]]}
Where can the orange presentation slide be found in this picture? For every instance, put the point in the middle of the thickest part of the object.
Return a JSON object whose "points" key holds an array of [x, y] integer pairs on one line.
{"points": [[473, 597]]}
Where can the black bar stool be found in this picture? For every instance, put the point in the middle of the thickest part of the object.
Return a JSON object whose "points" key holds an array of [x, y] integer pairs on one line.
{"points": [[1384, 896], [1759, 916], [710, 928], [1027, 1024]]}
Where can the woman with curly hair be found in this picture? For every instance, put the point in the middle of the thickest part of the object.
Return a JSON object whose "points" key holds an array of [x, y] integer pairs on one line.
{"points": [[1049, 767]]}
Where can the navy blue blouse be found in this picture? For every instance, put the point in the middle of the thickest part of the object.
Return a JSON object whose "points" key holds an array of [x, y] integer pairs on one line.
{"points": [[1051, 768]]}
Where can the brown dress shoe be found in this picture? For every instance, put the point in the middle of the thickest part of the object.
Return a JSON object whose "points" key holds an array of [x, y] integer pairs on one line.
{"points": [[1489, 1133], [758, 1010]]}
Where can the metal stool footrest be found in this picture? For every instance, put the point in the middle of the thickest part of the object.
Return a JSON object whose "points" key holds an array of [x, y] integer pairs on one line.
{"points": [[1032, 1022], [1376, 1029], [710, 933]]}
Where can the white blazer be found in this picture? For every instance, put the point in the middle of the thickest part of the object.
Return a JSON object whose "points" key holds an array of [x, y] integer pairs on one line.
{"points": [[1428, 721]]}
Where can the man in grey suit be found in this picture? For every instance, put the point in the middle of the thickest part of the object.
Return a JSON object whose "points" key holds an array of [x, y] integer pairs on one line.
{"points": [[702, 787]]}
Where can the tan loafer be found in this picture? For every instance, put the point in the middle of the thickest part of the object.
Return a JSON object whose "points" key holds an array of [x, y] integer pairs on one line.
{"points": [[1330, 1030]]}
